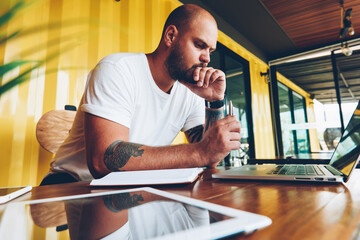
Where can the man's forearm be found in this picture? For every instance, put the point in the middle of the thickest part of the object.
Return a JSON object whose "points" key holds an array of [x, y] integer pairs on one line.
{"points": [[127, 156], [122, 156], [119, 153]]}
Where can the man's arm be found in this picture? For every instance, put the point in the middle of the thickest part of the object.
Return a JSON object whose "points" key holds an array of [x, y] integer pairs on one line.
{"points": [[108, 149]]}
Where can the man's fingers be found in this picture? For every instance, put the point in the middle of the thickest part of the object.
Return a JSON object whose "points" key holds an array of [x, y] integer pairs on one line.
{"points": [[234, 145], [196, 74], [232, 125], [209, 73], [202, 77], [234, 136], [228, 119], [216, 75]]}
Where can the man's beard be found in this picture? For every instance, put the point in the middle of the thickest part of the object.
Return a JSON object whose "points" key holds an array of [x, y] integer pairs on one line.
{"points": [[175, 66]]}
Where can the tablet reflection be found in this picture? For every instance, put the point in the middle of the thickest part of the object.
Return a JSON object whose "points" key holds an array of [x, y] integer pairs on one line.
{"points": [[131, 215], [134, 215], [128, 215]]}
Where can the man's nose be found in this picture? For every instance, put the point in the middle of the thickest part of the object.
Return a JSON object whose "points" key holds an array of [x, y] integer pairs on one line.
{"points": [[205, 57]]}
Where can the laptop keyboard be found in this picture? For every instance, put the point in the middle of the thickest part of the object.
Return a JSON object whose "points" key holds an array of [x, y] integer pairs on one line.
{"points": [[296, 170]]}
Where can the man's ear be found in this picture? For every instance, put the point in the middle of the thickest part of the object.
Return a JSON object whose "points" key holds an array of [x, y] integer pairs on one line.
{"points": [[170, 35]]}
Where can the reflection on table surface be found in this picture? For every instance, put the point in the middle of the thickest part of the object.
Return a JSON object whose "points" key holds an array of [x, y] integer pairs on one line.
{"points": [[126, 215], [299, 210]]}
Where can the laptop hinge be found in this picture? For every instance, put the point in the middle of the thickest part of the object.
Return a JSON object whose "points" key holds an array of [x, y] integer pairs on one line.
{"points": [[334, 170]]}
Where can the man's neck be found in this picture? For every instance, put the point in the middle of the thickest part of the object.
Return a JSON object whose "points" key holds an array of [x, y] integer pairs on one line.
{"points": [[159, 72]]}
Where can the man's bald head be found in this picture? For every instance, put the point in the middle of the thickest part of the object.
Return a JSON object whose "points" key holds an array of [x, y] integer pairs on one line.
{"points": [[184, 15]]}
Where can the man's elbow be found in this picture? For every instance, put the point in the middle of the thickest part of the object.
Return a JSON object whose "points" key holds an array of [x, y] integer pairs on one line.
{"points": [[96, 168]]}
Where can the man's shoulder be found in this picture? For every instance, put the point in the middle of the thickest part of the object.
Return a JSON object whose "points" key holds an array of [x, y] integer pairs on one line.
{"points": [[120, 58]]}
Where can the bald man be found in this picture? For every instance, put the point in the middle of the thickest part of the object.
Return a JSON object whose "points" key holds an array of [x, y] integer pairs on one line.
{"points": [[134, 105]]}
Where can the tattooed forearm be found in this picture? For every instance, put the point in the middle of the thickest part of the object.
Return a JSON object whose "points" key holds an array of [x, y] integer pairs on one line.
{"points": [[118, 202], [119, 153], [212, 116], [195, 134]]}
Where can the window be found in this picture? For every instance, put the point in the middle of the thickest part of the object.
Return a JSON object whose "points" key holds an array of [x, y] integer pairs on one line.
{"points": [[285, 119], [295, 136]]}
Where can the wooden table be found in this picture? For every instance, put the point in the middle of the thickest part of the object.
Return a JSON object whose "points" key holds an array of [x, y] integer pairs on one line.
{"points": [[299, 210]]}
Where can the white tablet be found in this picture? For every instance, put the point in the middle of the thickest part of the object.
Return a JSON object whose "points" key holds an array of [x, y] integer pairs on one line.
{"points": [[7, 194], [141, 213]]}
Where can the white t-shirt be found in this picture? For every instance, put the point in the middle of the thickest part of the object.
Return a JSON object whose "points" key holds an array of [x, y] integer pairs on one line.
{"points": [[121, 89]]}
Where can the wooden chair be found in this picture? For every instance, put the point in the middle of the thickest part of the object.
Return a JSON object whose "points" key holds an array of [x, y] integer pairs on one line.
{"points": [[51, 131], [54, 127]]}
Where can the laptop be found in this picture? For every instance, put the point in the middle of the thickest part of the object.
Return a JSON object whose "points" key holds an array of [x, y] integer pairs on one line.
{"points": [[342, 162]]}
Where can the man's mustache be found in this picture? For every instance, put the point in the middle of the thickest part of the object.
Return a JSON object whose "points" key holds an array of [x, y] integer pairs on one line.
{"points": [[189, 73], [202, 65]]}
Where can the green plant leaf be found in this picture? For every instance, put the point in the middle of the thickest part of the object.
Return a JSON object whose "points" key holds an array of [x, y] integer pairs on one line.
{"points": [[5, 18], [71, 38], [24, 76], [13, 83], [3, 39], [11, 65]]}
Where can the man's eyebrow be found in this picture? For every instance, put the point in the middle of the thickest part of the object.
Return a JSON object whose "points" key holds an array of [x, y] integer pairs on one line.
{"points": [[205, 44]]}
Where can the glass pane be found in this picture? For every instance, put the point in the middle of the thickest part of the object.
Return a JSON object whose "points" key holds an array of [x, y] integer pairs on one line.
{"points": [[299, 110], [285, 119], [235, 91], [215, 59], [302, 139]]}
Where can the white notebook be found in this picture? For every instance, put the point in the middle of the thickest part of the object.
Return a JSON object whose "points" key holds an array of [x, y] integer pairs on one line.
{"points": [[149, 177]]}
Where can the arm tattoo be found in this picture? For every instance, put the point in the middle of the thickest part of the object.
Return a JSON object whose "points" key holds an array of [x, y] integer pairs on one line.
{"points": [[195, 134], [212, 116], [118, 202], [119, 153]]}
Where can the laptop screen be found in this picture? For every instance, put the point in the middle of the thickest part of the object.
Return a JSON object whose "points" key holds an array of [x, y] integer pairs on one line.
{"points": [[348, 149]]}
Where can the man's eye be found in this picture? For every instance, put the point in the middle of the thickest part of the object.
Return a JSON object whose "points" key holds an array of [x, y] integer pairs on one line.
{"points": [[198, 45]]}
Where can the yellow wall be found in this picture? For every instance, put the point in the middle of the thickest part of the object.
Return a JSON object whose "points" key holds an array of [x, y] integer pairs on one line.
{"points": [[92, 29]]}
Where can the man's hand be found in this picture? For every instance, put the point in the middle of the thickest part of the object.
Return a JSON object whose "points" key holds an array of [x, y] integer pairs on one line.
{"points": [[210, 83], [219, 140]]}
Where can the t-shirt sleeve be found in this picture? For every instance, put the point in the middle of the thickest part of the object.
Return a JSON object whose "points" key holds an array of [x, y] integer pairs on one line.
{"points": [[197, 114], [108, 93]]}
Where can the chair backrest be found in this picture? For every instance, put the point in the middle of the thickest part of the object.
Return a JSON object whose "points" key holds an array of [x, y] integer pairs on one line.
{"points": [[53, 128]]}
